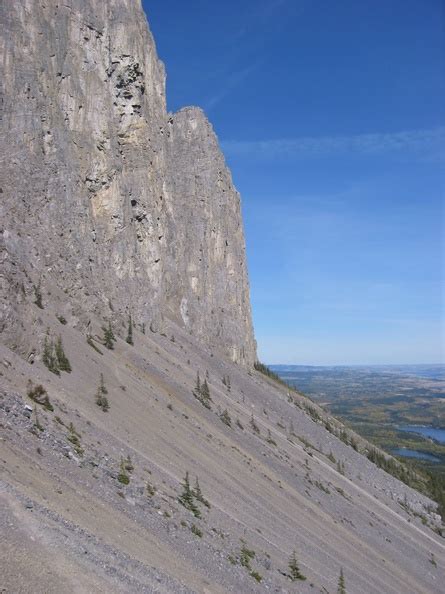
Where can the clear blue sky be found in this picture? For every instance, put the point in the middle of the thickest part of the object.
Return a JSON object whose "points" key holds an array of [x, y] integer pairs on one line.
{"points": [[331, 115]]}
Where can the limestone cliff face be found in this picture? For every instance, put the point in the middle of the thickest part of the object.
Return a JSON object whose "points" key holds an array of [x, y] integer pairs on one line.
{"points": [[127, 208], [208, 283]]}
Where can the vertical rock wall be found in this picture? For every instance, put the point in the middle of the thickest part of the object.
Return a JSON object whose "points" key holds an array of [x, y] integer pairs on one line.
{"points": [[128, 209]]}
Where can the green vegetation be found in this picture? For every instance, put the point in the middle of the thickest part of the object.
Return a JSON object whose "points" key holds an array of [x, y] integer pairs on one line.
{"points": [[196, 531], [61, 319], [49, 357], [129, 338], [101, 399], [39, 395], [38, 295], [74, 438], [269, 373], [197, 493], [62, 360], [225, 418], [246, 556], [187, 497], [294, 569], [123, 476], [376, 401], [109, 339], [202, 392], [257, 576], [341, 583]]}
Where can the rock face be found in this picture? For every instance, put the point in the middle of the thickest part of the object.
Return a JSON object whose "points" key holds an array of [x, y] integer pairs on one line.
{"points": [[129, 209]]}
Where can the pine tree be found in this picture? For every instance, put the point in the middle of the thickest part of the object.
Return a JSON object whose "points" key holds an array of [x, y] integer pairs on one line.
{"points": [[254, 425], [38, 295], [49, 358], [198, 494], [341, 583], [295, 573], [101, 399], [198, 384], [62, 360], [109, 337], [187, 497], [225, 418], [102, 386], [129, 338], [205, 391]]}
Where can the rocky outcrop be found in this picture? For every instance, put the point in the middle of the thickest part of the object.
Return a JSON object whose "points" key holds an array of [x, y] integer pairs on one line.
{"points": [[129, 209], [208, 282]]}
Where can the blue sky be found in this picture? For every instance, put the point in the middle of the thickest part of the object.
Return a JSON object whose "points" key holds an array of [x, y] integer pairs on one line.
{"points": [[332, 119]]}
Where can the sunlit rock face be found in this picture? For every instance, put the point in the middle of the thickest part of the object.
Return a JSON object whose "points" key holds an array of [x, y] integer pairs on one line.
{"points": [[129, 209]]}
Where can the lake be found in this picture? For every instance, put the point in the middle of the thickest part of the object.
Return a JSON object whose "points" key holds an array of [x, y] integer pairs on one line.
{"points": [[406, 453], [431, 432]]}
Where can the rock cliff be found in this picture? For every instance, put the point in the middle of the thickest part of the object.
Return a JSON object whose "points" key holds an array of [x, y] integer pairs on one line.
{"points": [[129, 209]]}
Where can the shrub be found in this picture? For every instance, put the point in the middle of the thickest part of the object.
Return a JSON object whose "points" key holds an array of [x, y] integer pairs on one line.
{"points": [[109, 337], [62, 360], [225, 418], [258, 577], [38, 295], [198, 494], [187, 497], [196, 530], [123, 476], [129, 338], [49, 357], [294, 569], [39, 395], [101, 399], [341, 583], [202, 392]]}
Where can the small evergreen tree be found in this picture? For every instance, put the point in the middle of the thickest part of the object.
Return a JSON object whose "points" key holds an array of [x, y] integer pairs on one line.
{"points": [[198, 384], [295, 573], [101, 399], [341, 583], [129, 338], [225, 418], [109, 337], [187, 497], [102, 386], [198, 494], [38, 295], [62, 360], [202, 392], [49, 358]]}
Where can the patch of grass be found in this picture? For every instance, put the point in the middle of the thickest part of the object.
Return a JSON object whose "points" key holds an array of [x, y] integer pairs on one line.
{"points": [[196, 531], [258, 577]]}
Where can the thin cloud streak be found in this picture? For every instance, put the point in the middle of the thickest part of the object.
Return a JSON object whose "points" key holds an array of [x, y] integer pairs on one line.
{"points": [[233, 81], [428, 142]]}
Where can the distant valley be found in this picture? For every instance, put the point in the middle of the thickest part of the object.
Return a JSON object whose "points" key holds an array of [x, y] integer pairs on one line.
{"points": [[400, 408]]}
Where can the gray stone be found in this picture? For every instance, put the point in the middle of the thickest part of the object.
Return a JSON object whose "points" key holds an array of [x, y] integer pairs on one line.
{"points": [[125, 208]]}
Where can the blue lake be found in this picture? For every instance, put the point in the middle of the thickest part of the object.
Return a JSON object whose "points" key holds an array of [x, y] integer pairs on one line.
{"points": [[431, 432], [406, 453]]}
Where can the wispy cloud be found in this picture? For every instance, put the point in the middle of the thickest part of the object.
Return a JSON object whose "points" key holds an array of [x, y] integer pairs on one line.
{"points": [[423, 142], [232, 81]]}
